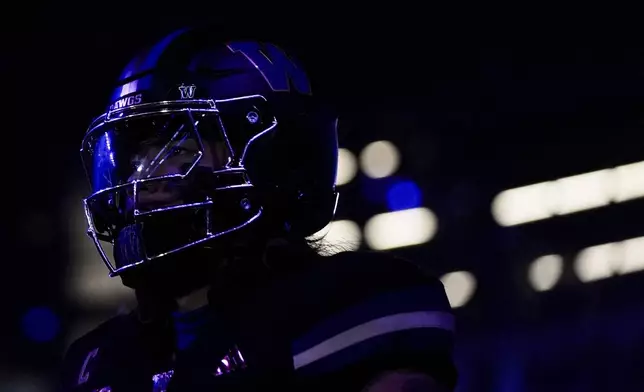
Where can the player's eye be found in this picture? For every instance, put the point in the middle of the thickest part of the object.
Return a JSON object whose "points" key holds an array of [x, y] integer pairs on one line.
{"points": [[181, 151]]}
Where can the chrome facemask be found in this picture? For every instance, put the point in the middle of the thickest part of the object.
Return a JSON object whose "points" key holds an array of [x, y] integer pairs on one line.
{"points": [[172, 160]]}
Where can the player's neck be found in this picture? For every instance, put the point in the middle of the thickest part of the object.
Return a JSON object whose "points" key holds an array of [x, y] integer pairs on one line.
{"points": [[194, 300]]}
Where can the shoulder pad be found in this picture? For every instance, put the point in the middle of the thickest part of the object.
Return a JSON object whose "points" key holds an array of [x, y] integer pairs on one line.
{"points": [[358, 306], [351, 278]]}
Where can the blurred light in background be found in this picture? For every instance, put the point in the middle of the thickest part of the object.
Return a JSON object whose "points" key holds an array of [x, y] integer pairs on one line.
{"points": [[379, 159], [615, 258], [545, 272], [24, 383], [459, 287], [347, 167], [403, 195], [374, 191], [40, 324], [338, 236], [400, 228], [568, 195], [88, 284]]}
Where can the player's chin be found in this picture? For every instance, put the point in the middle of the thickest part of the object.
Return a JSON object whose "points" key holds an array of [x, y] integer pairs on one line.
{"points": [[172, 276]]}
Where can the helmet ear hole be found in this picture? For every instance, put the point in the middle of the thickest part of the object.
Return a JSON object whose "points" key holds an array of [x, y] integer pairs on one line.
{"points": [[296, 169]]}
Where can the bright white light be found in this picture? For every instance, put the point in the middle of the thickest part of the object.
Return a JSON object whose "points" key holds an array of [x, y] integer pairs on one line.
{"points": [[379, 159], [632, 256], [459, 287], [545, 272], [347, 167], [597, 262], [400, 228], [606, 260], [88, 284], [628, 182], [339, 236], [521, 205], [582, 192], [568, 195]]}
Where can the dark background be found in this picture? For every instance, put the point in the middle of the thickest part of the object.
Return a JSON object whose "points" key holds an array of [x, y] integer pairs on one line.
{"points": [[476, 104]]}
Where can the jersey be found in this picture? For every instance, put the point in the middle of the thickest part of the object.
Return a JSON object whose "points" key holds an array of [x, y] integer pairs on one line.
{"points": [[337, 323]]}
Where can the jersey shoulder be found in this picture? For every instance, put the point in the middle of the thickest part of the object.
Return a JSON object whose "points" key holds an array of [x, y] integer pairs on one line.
{"points": [[375, 271], [371, 311], [83, 352], [368, 280], [118, 343]]}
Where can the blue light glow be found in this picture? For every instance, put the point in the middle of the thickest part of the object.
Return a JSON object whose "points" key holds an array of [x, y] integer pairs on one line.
{"points": [[403, 195], [40, 324], [375, 190]]}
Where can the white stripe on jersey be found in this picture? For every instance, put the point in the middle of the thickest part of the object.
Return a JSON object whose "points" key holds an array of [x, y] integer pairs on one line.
{"points": [[374, 328]]}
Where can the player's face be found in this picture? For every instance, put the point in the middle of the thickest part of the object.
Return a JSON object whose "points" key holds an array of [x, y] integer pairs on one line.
{"points": [[160, 194]]}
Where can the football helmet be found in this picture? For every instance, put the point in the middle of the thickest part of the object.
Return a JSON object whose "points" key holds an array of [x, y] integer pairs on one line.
{"points": [[203, 138]]}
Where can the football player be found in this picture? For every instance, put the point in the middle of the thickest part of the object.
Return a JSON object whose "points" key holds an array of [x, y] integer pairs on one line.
{"points": [[210, 170]]}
